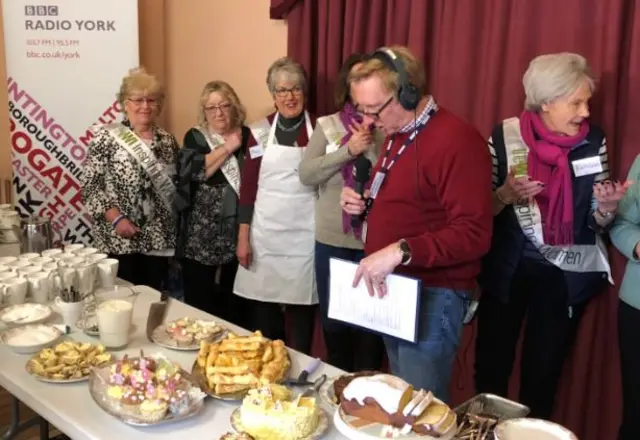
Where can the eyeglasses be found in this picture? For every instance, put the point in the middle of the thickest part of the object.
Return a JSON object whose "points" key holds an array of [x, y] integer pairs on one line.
{"points": [[376, 115], [282, 92], [223, 108], [151, 102]]}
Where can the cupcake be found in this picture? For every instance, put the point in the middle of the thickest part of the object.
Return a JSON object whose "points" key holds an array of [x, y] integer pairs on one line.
{"points": [[131, 401], [179, 402], [152, 410]]}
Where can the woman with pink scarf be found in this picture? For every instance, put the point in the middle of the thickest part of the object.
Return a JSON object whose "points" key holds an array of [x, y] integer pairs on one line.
{"points": [[337, 142], [553, 201]]}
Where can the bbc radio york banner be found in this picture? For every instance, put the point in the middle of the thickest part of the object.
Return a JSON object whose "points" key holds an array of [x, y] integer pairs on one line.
{"points": [[65, 61]]}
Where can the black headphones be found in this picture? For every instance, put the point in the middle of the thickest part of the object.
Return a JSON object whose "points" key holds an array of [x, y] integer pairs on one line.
{"points": [[408, 94]]}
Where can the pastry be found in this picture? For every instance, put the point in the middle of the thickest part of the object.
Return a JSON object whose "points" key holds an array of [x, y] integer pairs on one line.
{"points": [[68, 360], [269, 412], [187, 331], [153, 410], [392, 402], [237, 436]]}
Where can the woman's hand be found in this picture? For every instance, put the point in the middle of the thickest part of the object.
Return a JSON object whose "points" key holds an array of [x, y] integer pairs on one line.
{"points": [[518, 188], [608, 194], [126, 229], [360, 140], [351, 201], [232, 141], [244, 251]]}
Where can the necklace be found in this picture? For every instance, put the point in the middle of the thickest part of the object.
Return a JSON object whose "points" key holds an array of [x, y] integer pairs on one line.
{"points": [[294, 127]]}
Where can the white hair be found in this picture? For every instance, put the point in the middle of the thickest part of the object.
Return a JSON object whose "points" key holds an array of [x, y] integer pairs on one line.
{"points": [[553, 76], [286, 69]]}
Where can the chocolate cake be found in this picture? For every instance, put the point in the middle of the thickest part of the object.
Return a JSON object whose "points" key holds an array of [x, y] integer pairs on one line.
{"points": [[340, 384]]}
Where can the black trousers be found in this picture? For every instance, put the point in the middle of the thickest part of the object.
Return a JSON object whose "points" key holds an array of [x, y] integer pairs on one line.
{"points": [[270, 319], [539, 293], [203, 292], [628, 331], [143, 270]]}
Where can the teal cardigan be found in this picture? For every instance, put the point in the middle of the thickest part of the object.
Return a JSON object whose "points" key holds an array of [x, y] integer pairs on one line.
{"points": [[625, 235]]}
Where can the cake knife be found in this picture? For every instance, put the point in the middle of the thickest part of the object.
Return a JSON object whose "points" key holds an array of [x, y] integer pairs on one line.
{"points": [[303, 378]]}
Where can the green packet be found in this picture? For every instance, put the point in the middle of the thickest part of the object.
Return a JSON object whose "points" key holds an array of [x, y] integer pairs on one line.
{"points": [[521, 169]]}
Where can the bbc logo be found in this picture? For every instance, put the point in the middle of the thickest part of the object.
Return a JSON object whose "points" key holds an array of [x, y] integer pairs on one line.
{"points": [[41, 10]]}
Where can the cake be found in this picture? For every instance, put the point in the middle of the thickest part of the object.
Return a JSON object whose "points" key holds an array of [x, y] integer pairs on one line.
{"points": [[187, 331], [237, 436], [341, 383], [271, 413], [148, 389], [393, 403]]}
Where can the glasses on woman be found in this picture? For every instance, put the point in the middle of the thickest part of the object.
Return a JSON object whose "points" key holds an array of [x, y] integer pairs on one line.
{"points": [[283, 92], [213, 109], [151, 102]]}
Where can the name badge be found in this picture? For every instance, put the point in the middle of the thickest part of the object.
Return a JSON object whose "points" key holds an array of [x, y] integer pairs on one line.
{"points": [[332, 148], [256, 151], [587, 166], [377, 183]]}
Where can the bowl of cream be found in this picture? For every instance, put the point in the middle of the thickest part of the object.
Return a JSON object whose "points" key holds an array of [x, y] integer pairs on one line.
{"points": [[30, 339], [24, 314]]}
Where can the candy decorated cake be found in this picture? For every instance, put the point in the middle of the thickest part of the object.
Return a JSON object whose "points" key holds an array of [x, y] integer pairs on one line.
{"points": [[187, 331], [394, 404], [270, 413], [150, 388]]}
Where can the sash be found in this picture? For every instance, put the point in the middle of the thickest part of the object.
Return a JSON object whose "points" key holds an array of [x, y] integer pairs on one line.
{"points": [[133, 145], [230, 167], [572, 258], [260, 131], [333, 128]]}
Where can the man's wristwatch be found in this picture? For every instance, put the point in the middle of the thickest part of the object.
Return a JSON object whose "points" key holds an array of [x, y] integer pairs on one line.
{"points": [[406, 252]]}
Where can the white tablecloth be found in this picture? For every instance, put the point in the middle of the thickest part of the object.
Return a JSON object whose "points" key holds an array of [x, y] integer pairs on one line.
{"points": [[71, 409]]}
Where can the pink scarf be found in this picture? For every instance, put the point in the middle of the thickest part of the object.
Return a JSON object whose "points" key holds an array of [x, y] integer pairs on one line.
{"points": [[348, 115], [548, 162]]}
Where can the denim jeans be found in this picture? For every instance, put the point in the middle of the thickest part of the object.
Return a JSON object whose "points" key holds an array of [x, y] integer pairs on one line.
{"points": [[427, 363], [348, 348]]}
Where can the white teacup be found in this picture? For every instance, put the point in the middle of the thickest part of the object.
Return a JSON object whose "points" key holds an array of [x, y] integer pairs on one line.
{"points": [[71, 261], [7, 276], [6, 207], [9, 219], [71, 312], [107, 272], [51, 253], [5, 260], [96, 258], [14, 290], [85, 252], [40, 286], [24, 271], [41, 261], [71, 248], [28, 256], [18, 264]]}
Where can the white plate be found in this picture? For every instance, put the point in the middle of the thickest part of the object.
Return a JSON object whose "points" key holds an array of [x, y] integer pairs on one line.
{"points": [[321, 429], [164, 339], [23, 314], [30, 339], [374, 431], [532, 429]]}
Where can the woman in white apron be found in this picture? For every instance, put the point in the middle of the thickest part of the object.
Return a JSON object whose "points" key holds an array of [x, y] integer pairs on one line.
{"points": [[276, 216]]}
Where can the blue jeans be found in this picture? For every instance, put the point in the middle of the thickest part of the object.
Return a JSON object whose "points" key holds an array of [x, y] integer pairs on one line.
{"points": [[427, 364], [348, 348]]}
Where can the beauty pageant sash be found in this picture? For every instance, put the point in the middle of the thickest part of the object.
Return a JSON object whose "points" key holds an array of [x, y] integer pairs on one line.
{"points": [[230, 167]]}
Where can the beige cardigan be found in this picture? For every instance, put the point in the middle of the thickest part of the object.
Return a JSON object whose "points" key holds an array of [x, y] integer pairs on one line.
{"points": [[324, 170]]}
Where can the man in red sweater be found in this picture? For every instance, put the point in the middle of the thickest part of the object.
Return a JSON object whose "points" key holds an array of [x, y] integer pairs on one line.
{"points": [[429, 210]]}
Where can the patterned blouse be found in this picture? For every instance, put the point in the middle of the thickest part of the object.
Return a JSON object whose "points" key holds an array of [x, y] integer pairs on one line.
{"points": [[112, 178]]}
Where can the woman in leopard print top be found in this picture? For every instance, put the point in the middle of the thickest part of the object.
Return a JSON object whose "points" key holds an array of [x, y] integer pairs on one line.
{"points": [[131, 221]]}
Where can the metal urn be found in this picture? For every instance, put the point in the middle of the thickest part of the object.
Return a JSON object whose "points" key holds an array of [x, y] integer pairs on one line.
{"points": [[36, 234]]}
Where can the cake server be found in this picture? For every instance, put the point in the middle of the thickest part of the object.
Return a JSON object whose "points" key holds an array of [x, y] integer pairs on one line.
{"points": [[157, 314], [315, 387], [303, 378]]}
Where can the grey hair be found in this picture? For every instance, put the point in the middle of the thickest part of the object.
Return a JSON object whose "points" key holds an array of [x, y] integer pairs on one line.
{"points": [[288, 68], [553, 76]]}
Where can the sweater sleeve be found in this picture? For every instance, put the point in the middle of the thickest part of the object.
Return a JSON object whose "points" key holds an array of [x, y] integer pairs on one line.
{"points": [[248, 184], [462, 179], [98, 192], [625, 233], [604, 175], [317, 165]]}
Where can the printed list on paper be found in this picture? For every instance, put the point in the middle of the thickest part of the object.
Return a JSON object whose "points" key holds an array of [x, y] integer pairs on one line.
{"points": [[394, 315]]}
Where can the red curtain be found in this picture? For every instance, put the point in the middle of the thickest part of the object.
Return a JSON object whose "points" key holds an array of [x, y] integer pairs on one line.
{"points": [[475, 53]]}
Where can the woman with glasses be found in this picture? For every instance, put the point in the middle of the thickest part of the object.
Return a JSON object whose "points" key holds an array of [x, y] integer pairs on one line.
{"points": [[128, 186], [276, 215], [328, 163], [209, 179]]}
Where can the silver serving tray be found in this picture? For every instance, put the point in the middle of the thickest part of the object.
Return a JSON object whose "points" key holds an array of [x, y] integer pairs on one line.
{"points": [[493, 406], [96, 389]]}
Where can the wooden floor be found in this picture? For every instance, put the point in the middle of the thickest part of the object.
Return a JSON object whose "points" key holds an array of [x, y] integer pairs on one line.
{"points": [[25, 414]]}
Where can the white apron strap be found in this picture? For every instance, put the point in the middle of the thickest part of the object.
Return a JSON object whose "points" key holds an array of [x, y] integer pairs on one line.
{"points": [[136, 147], [230, 167], [574, 258], [333, 128]]}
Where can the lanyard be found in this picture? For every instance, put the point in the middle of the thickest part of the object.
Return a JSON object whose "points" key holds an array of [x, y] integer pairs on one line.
{"points": [[385, 169]]}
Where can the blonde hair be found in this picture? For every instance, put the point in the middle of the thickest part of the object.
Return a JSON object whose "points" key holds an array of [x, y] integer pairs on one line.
{"points": [[238, 111], [139, 80], [554, 76], [375, 66], [288, 68]]}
